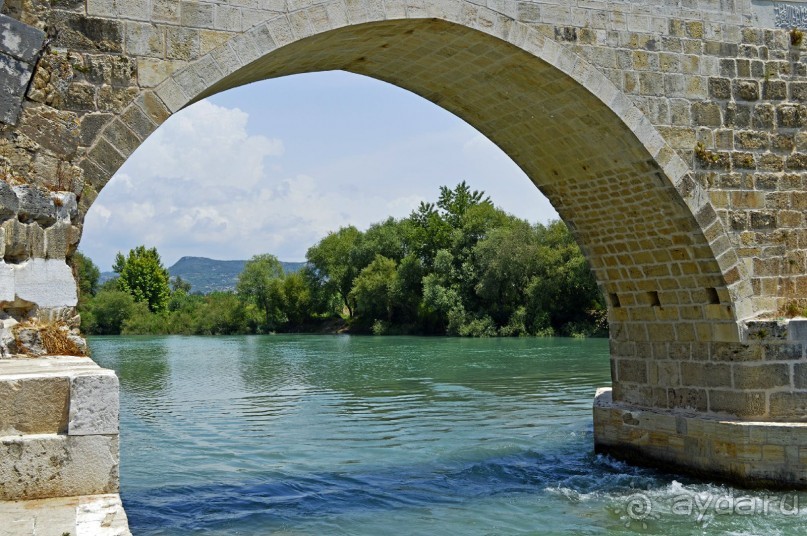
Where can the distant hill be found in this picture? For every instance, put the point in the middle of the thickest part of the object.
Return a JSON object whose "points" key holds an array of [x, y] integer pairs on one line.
{"points": [[209, 275]]}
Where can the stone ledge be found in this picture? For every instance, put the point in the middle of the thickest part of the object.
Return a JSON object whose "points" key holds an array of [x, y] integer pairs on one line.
{"points": [[49, 465], [747, 453], [24, 367], [57, 395], [97, 515]]}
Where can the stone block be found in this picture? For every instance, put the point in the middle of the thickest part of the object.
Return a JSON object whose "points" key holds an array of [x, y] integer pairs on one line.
{"points": [[182, 44], [35, 205], [94, 404], [153, 107], [14, 78], [696, 374], [50, 465], [82, 33], [9, 204], [151, 72], [172, 96], [144, 39], [790, 406], [797, 330], [165, 11], [747, 90], [121, 137], [107, 157], [227, 18], [99, 515], [743, 404], [687, 398], [19, 239], [761, 376], [632, 370], [45, 282], [20, 41], [33, 405], [60, 241], [194, 14]]}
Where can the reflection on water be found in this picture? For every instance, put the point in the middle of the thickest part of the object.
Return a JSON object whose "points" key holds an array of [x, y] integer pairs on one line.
{"points": [[365, 435]]}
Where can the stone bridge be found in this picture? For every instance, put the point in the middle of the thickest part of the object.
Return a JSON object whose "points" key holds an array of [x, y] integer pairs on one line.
{"points": [[668, 135]]}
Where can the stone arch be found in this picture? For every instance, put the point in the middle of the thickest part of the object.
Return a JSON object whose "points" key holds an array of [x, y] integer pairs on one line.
{"points": [[661, 254]]}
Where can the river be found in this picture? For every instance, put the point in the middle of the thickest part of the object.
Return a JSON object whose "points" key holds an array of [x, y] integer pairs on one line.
{"points": [[315, 435]]}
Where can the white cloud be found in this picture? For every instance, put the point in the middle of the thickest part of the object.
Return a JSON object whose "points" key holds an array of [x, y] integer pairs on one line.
{"points": [[202, 185], [212, 182]]}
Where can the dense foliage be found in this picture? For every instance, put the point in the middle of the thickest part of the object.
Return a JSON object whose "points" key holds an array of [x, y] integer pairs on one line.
{"points": [[459, 266], [142, 274]]}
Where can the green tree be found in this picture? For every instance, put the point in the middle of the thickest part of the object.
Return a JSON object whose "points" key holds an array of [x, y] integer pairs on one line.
{"points": [[87, 275], [180, 285], [455, 203], [261, 284], [376, 289], [388, 238], [563, 291], [298, 299], [142, 321], [507, 259], [143, 275], [331, 261], [106, 313]]}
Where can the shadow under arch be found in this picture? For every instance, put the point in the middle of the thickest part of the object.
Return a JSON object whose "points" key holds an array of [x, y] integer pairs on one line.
{"points": [[658, 250]]}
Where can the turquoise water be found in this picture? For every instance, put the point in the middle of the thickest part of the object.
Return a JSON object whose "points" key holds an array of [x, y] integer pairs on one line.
{"points": [[310, 435]]}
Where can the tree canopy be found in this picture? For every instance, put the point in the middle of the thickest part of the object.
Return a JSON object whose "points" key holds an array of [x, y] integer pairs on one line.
{"points": [[261, 283], [458, 266], [142, 274]]}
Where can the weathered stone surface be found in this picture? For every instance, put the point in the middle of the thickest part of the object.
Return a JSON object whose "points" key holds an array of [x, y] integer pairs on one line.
{"points": [[47, 465], [797, 330], [94, 404], [47, 283], [97, 515], [14, 77], [35, 206], [19, 40], [29, 341], [706, 446], [83, 33], [9, 204], [33, 405], [61, 241], [20, 45], [66, 206]]}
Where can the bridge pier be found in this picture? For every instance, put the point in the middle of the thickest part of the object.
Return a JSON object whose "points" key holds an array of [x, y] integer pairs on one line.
{"points": [[745, 453], [739, 415]]}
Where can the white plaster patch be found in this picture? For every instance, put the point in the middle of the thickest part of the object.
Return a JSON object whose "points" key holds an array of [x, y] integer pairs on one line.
{"points": [[45, 282], [6, 282]]}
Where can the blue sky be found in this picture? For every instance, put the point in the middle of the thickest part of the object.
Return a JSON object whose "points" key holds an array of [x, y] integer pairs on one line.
{"points": [[274, 166]]}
